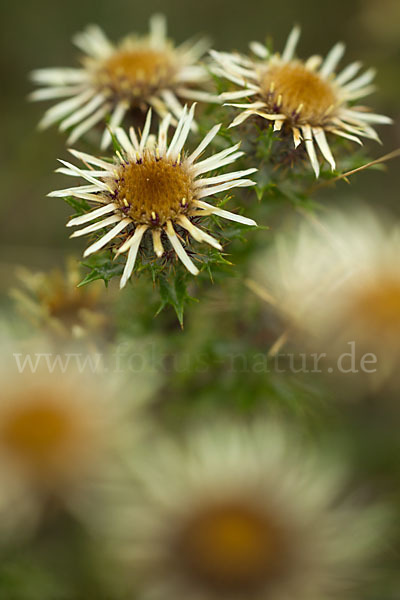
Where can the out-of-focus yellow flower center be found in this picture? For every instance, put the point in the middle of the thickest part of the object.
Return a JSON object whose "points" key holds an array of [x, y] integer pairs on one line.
{"points": [[137, 73], [67, 305], [298, 93], [377, 305], [153, 190], [40, 431], [232, 547]]}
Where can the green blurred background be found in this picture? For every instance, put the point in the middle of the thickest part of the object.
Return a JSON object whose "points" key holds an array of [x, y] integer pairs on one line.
{"points": [[38, 34]]}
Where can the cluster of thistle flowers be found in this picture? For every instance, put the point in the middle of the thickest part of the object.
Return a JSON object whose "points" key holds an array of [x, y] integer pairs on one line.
{"points": [[156, 187], [228, 510]]}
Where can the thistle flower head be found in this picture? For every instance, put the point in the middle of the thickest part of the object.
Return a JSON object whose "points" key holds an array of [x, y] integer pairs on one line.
{"points": [[54, 301], [306, 97], [137, 73], [339, 283], [61, 425], [154, 187], [239, 512]]}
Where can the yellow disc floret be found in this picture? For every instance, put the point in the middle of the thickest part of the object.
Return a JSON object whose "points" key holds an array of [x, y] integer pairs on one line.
{"points": [[232, 545], [137, 73], [377, 307], [153, 191], [298, 93]]}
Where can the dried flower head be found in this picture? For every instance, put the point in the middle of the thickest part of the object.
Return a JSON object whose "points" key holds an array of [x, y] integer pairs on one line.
{"points": [[306, 97], [154, 187], [53, 301], [138, 73]]}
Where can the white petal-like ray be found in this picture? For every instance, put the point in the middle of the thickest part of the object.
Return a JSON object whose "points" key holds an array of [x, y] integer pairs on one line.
{"points": [[85, 111], [192, 73], [93, 42], [146, 131], [238, 94], [95, 226], [278, 124], [100, 174], [176, 149], [125, 142], [253, 105], [177, 133], [107, 238], [134, 243], [157, 243], [216, 157], [296, 137], [50, 93], [198, 234], [313, 62], [100, 184], [229, 75], [348, 73], [194, 49], [163, 134], [115, 120], [241, 118], [332, 59], [224, 186], [360, 81], [217, 163], [368, 116], [307, 136], [134, 139], [172, 102], [291, 44], [360, 92], [94, 214], [189, 94], [323, 145], [203, 144], [225, 177], [74, 191], [210, 209], [158, 30], [88, 124], [92, 160], [259, 49], [180, 251], [59, 76], [348, 136], [57, 112]]}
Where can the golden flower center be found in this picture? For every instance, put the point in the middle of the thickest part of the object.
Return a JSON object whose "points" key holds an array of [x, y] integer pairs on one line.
{"points": [[378, 306], [152, 191], [38, 430], [232, 547], [67, 306], [137, 72], [300, 94]]}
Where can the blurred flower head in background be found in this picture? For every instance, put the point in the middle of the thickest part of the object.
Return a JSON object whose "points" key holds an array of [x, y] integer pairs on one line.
{"points": [[240, 512], [305, 97], [338, 281], [53, 302], [154, 186], [60, 427], [138, 73]]}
